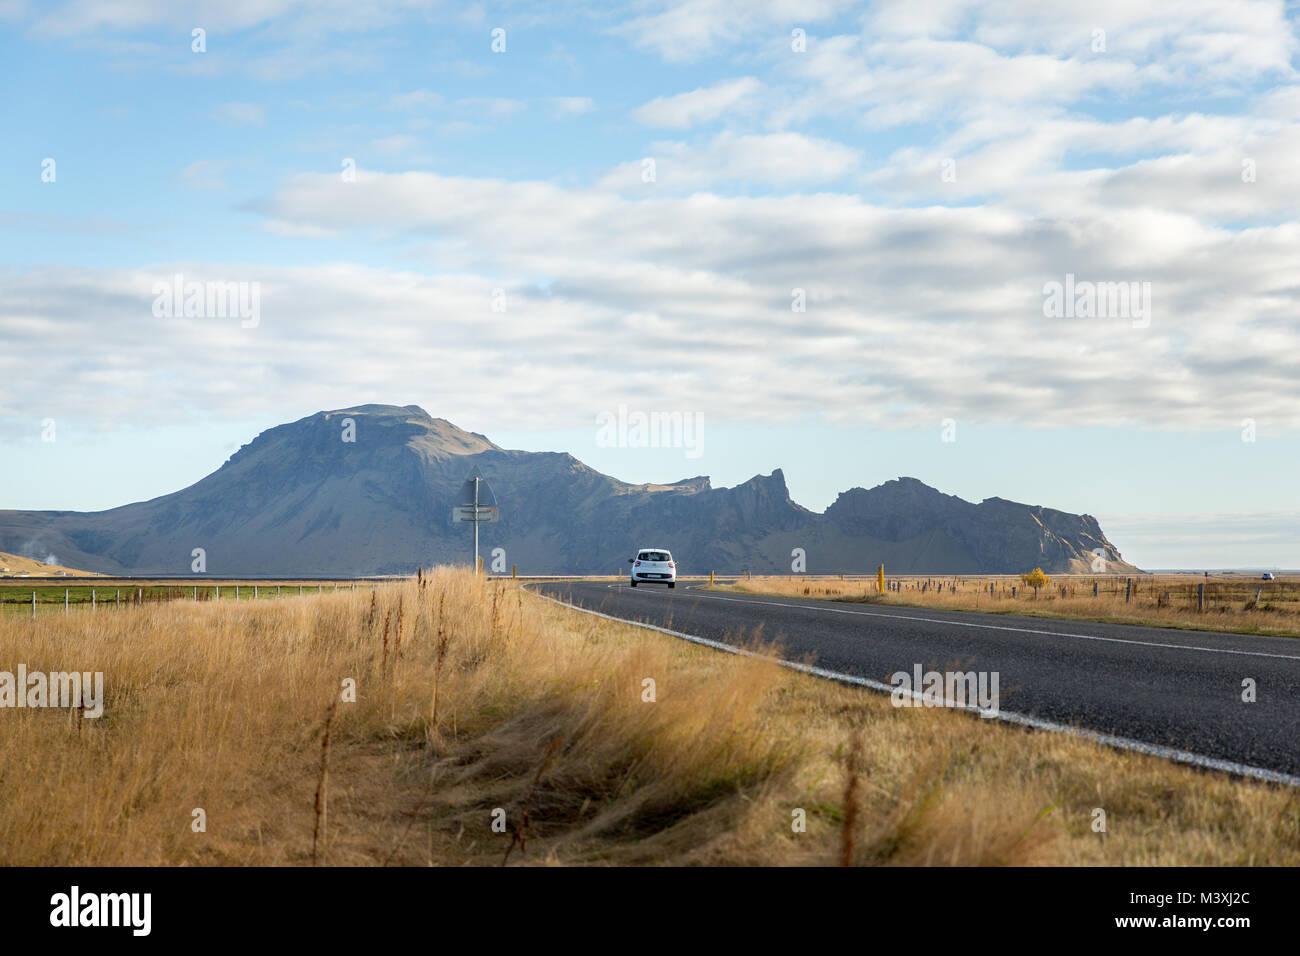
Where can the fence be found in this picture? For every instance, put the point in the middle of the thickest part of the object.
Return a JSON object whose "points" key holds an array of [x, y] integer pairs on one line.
{"points": [[48, 597]]}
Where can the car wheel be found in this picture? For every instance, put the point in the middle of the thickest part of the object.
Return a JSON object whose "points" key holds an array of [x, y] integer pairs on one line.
{"points": [[633, 584], [672, 584]]}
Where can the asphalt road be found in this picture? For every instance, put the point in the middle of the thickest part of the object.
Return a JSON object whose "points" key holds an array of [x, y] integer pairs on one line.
{"points": [[1175, 693]]}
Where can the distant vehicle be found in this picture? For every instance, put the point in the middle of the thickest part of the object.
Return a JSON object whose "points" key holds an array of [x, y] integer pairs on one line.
{"points": [[653, 564], [1268, 576]]}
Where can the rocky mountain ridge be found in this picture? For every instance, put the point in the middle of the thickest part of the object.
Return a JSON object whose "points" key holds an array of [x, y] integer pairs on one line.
{"points": [[301, 499]]}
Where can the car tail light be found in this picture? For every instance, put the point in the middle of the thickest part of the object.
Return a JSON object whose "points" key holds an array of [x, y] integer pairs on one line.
{"points": [[671, 565], [637, 565]]}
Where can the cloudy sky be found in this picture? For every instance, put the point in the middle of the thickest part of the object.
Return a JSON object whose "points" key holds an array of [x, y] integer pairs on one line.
{"points": [[830, 231]]}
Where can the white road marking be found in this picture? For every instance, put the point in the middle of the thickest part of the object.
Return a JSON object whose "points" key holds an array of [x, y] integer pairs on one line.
{"points": [[1024, 720]]}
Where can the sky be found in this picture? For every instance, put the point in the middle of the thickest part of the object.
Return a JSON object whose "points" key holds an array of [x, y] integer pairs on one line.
{"points": [[1043, 251]]}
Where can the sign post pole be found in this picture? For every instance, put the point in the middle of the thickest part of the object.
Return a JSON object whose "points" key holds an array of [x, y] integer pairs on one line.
{"points": [[476, 481], [478, 505]]}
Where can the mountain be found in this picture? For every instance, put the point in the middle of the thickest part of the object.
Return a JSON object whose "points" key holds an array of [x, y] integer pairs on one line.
{"points": [[302, 499]]}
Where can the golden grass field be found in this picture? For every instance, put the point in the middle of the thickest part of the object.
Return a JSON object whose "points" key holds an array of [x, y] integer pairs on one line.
{"points": [[12, 565], [474, 695], [1163, 600]]}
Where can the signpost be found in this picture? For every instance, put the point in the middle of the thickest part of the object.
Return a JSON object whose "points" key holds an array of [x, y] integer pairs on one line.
{"points": [[479, 509]]}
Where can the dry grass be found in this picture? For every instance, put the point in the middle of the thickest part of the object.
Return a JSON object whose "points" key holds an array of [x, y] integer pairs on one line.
{"points": [[15, 564], [541, 714], [1158, 600]]}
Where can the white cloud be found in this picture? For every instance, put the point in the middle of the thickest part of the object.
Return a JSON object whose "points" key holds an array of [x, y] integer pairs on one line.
{"points": [[87, 16], [688, 29], [1194, 164], [776, 159], [698, 106], [240, 114], [203, 174], [572, 105], [394, 144], [415, 100], [924, 62], [913, 314], [491, 105]]}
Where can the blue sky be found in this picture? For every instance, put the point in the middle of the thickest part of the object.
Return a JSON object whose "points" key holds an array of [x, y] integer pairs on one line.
{"points": [[916, 173]]}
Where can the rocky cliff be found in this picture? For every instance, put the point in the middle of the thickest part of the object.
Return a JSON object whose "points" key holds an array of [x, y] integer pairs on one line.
{"points": [[299, 499]]}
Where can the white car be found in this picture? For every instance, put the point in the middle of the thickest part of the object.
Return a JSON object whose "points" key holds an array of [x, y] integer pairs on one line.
{"points": [[653, 564]]}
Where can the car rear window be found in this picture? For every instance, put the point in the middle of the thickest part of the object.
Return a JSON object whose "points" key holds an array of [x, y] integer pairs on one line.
{"points": [[654, 556]]}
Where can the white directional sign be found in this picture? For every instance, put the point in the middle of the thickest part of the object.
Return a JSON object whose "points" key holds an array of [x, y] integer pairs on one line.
{"points": [[479, 507]]}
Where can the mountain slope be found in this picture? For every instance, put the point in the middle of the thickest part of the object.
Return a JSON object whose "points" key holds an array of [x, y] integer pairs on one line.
{"points": [[13, 566], [303, 499]]}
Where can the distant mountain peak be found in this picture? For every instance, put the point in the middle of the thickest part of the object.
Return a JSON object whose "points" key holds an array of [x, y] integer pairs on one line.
{"points": [[371, 489], [436, 435], [378, 410]]}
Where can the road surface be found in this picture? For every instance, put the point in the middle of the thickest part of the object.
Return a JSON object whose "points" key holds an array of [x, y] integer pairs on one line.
{"points": [[1171, 692]]}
